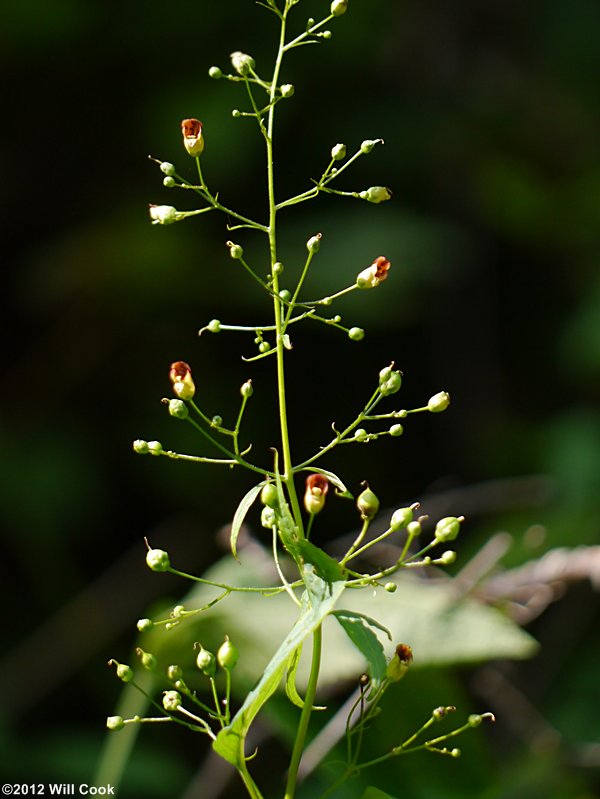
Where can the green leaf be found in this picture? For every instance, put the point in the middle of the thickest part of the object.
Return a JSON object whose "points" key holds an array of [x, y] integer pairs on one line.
{"points": [[325, 566], [358, 629], [240, 514], [290, 680], [230, 740]]}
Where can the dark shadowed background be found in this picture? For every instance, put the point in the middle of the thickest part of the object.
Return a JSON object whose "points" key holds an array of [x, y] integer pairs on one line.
{"points": [[489, 112]]}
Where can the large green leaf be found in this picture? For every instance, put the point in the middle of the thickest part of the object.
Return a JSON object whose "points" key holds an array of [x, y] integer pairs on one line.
{"points": [[230, 741], [358, 629]]}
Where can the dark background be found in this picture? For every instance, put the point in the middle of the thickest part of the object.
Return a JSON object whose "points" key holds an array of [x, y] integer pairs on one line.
{"points": [[489, 112]]}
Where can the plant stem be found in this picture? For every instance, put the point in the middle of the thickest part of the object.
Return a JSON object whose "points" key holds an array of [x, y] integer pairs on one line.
{"points": [[309, 700]]}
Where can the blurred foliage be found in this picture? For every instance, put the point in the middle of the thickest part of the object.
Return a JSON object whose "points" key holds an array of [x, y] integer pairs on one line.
{"points": [[490, 116]]}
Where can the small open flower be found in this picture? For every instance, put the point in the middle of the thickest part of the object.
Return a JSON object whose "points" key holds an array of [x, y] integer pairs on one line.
{"points": [[182, 381], [373, 275], [317, 486], [193, 140]]}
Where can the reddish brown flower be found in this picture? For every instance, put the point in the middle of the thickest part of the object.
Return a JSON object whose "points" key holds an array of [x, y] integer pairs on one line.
{"points": [[193, 141], [317, 486], [180, 375], [373, 275]]}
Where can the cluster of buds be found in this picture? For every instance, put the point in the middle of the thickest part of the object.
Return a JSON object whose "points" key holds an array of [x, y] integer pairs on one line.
{"points": [[317, 486], [180, 375], [375, 274], [193, 141]]}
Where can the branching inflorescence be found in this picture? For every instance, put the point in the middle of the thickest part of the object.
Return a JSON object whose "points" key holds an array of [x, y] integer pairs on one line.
{"points": [[320, 580]]}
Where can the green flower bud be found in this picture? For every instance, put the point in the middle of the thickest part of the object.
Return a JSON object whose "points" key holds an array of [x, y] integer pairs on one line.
{"points": [[325, 34], [246, 390], [455, 753], [339, 7], [448, 557], [216, 421], [368, 145], [264, 346], [414, 529], [367, 504], [242, 63], [287, 90], [178, 409], [389, 381], [168, 182], [441, 712], [178, 611], [124, 672], [361, 434], [144, 625], [215, 73], [214, 326], [400, 518], [236, 113], [235, 251], [174, 673], [115, 723], [140, 446], [206, 662], [269, 495], [167, 168], [390, 587], [448, 528], [356, 334], [268, 517], [398, 665], [285, 295], [227, 655], [313, 244], [396, 430], [171, 701], [149, 661], [439, 402], [278, 268], [155, 448], [376, 194], [474, 720], [163, 214], [158, 560], [338, 152]]}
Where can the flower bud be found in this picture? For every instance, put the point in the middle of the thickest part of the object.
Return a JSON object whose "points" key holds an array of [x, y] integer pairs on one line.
{"points": [[398, 665], [168, 182], [214, 326], [400, 518], [313, 244], [246, 390], [227, 655], [325, 34], [268, 518], [174, 673], [339, 7], [356, 334], [448, 557], [338, 152], [171, 701], [317, 486], [396, 430], [285, 295], [115, 723], [181, 379], [287, 90], [206, 662], [278, 268], [235, 251], [414, 529], [167, 168], [242, 63], [144, 625], [367, 504], [193, 141], [158, 560], [390, 587], [269, 495], [361, 434], [149, 661], [264, 346], [389, 381], [439, 402], [215, 73], [140, 446], [124, 672], [368, 145], [448, 528], [376, 194], [155, 448], [375, 274], [178, 409], [163, 214]]}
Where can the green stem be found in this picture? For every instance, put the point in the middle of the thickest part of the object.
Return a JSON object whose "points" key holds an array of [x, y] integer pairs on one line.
{"points": [[309, 701]]}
